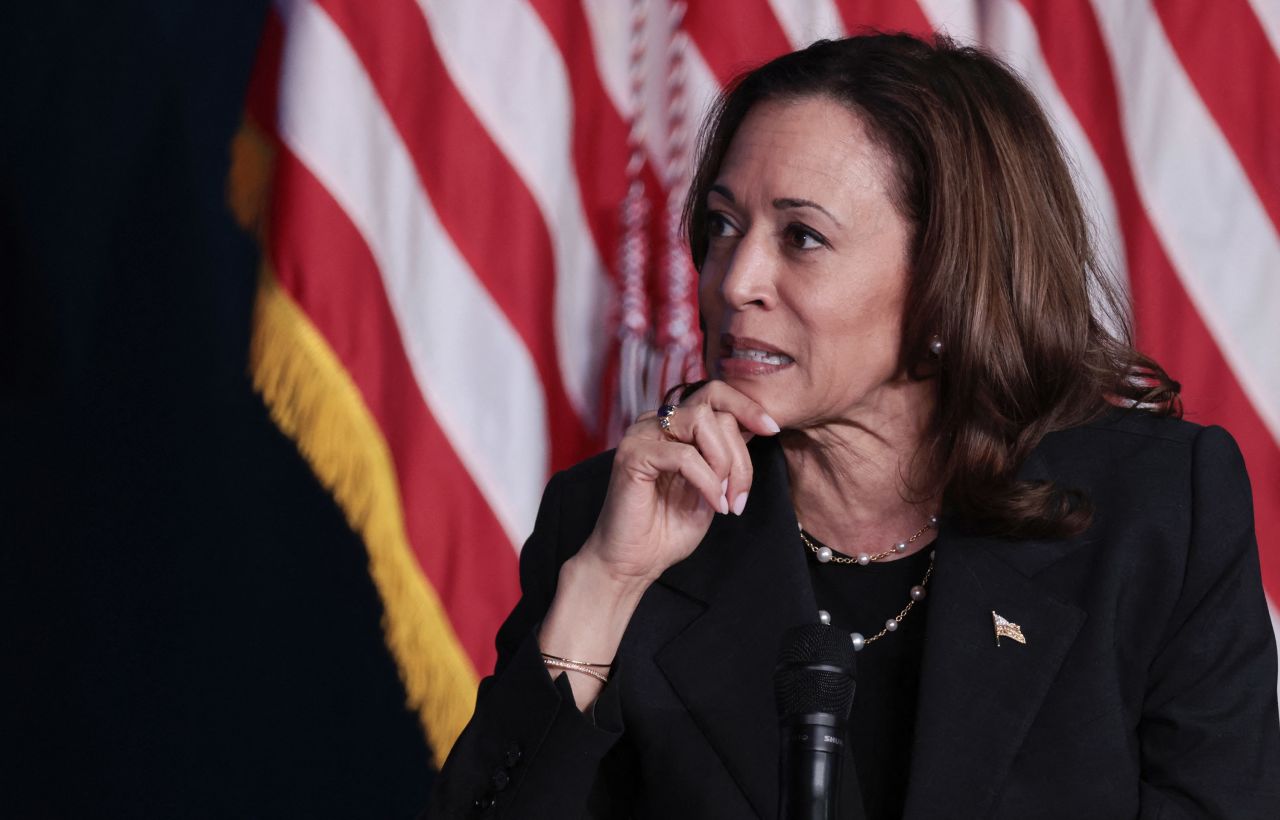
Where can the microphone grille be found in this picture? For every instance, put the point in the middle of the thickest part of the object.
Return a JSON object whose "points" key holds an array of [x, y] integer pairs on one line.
{"points": [[799, 688]]}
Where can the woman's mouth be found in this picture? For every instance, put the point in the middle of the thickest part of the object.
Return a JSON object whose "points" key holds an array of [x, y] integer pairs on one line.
{"points": [[760, 356], [749, 357]]}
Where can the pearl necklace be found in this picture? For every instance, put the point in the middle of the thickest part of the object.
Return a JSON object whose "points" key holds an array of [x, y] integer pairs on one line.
{"points": [[825, 554], [916, 594]]}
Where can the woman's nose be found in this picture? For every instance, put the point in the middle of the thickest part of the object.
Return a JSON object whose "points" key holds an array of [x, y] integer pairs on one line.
{"points": [[749, 274]]}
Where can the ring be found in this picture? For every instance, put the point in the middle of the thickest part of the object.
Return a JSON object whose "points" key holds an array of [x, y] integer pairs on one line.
{"points": [[665, 412]]}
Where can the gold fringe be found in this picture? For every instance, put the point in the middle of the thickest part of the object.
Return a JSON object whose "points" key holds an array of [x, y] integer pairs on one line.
{"points": [[312, 398]]}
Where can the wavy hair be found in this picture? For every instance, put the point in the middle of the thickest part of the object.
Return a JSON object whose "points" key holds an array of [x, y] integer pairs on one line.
{"points": [[1002, 265]]}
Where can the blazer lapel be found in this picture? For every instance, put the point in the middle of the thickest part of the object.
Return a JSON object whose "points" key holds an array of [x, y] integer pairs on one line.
{"points": [[750, 573], [978, 699]]}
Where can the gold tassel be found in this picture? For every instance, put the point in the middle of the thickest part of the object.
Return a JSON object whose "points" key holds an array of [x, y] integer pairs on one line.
{"points": [[313, 400]]}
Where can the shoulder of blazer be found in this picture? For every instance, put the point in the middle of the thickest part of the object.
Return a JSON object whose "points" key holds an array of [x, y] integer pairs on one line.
{"points": [[1157, 464], [1121, 446], [1172, 514], [1117, 423]]}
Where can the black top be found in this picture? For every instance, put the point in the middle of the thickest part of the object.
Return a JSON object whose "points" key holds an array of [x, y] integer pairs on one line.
{"points": [[1145, 687], [881, 724]]}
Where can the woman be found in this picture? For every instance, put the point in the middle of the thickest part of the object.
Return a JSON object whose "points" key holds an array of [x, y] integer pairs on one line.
{"points": [[921, 431]]}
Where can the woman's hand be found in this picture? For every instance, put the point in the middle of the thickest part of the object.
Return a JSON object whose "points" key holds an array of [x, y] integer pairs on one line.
{"points": [[664, 489], [662, 495]]}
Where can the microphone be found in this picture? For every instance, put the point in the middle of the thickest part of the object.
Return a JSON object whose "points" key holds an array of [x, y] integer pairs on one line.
{"points": [[813, 684]]}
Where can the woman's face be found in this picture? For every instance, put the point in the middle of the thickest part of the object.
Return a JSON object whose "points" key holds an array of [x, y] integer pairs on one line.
{"points": [[805, 277]]}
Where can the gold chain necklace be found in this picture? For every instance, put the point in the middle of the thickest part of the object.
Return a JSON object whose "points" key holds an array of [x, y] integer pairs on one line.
{"points": [[917, 594], [825, 554]]}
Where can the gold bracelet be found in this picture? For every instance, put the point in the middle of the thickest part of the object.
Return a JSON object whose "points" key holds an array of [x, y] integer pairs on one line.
{"points": [[556, 663], [545, 656]]}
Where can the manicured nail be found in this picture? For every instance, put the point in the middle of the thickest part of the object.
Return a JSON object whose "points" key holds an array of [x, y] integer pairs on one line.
{"points": [[724, 505], [739, 503], [771, 424], [724, 487]]}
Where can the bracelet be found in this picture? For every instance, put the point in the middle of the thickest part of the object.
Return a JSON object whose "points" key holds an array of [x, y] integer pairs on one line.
{"points": [[545, 656], [557, 663]]}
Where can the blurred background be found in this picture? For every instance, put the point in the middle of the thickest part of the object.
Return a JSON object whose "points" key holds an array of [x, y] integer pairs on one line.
{"points": [[303, 302]]}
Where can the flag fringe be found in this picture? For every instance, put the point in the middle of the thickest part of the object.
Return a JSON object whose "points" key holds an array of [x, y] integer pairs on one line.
{"points": [[313, 400]]}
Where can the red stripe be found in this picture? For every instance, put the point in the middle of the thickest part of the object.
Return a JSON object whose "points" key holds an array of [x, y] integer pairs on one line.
{"points": [[481, 200], [1167, 323], [601, 154], [599, 149], [599, 132], [884, 15], [732, 40], [323, 262], [1230, 62]]}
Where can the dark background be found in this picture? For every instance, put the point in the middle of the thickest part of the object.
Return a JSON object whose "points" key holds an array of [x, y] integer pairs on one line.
{"points": [[187, 625]]}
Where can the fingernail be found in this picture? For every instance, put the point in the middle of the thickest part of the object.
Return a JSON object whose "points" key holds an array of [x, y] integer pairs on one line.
{"points": [[724, 487], [739, 503], [771, 424], [724, 505]]}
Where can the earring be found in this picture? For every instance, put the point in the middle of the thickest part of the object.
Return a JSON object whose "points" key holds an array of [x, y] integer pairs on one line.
{"points": [[935, 345]]}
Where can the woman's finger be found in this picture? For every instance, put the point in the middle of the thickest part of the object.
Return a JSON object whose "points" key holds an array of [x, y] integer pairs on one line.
{"points": [[650, 459], [709, 437], [741, 472], [724, 399]]}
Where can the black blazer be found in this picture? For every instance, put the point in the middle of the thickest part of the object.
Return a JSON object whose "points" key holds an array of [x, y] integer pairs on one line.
{"points": [[1146, 688]]}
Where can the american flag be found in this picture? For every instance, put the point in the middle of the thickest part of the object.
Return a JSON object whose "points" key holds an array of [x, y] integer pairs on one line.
{"points": [[473, 271]]}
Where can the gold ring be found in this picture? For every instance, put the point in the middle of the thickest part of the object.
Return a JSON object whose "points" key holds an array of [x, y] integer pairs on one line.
{"points": [[665, 413]]}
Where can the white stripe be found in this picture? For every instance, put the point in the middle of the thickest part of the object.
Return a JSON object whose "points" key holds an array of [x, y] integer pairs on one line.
{"points": [[807, 20], [701, 86], [610, 23], [1012, 34], [1268, 12], [507, 66], [957, 18], [473, 370], [1220, 239]]}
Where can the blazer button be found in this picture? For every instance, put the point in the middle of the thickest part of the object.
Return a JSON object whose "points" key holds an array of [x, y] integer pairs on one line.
{"points": [[513, 754], [500, 779], [484, 802]]}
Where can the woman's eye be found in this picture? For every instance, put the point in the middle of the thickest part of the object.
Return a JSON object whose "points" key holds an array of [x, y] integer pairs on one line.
{"points": [[719, 225], [805, 239]]}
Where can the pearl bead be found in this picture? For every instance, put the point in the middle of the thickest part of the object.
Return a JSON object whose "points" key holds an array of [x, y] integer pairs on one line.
{"points": [[935, 346], [864, 559], [858, 641], [901, 546], [824, 555], [824, 617], [891, 625], [917, 593], [933, 521]]}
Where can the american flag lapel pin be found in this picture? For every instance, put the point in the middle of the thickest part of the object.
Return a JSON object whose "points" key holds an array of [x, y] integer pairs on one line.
{"points": [[1007, 629]]}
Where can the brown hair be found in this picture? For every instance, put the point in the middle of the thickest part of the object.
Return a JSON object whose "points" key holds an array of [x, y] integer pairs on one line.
{"points": [[1002, 266]]}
